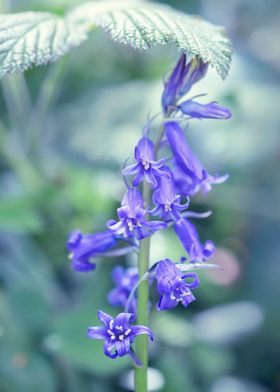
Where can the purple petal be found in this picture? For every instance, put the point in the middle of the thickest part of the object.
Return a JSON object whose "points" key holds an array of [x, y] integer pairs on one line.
{"points": [[141, 329], [108, 349], [117, 297], [117, 228], [73, 240], [209, 249], [122, 347], [166, 268], [96, 333], [165, 192], [210, 110], [83, 266], [156, 225], [132, 199], [151, 178], [84, 246], [187, 297], [195, 280], [183, 155], [173, 84], [124, 319], [123, 212], [145, 150], [139, 177], [104, 318], [166, 302], [131, 169], [189, 238], [194, 71]]}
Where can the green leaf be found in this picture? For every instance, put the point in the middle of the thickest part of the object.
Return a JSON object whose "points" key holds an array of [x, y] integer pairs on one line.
{"points": [[31, 38], [143, 25]]}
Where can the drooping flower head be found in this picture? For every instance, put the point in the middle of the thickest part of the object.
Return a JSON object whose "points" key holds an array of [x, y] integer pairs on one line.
{"points": [[191, 177], [172, 287], [194, 71], [83, 247], [132, 215], [173, 84], [167, 203], [189, 238], [125, 279], [181, 80], [118, 334], [146, 166]]}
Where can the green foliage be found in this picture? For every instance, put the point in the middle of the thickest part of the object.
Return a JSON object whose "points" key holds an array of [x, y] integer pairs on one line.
{"points": [[35, 38], [32, 38]]}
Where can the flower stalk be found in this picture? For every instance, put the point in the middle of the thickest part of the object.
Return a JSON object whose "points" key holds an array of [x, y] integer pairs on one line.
{"points": [[141, 373]]}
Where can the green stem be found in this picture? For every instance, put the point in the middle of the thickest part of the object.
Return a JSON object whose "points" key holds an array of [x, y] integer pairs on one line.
{"points": [[141, 374], [141, 379]]}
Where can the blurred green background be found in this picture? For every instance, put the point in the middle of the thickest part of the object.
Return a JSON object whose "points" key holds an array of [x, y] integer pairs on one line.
{"points": [[65, 132]]}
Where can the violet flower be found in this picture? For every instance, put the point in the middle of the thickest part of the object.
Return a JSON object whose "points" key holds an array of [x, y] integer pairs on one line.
{"points": [[192, 176], [189, 238], [125, 279], [146, 166], [167, 202], [181, 80], [195, 70], [172, 287], [212, 110], [118, 334], [171, 87], [132, 215], [82, 247]]}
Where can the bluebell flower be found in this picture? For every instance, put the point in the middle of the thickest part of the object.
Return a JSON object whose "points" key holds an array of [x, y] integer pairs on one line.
{"points": [[189, 238], [191, 177], [83, 247], [132, 215], [146, 166], [125, 279], [194, 71], [181, 80], [172, 287], [173, 84], [167, 203], [118, 334], [212, 110]]}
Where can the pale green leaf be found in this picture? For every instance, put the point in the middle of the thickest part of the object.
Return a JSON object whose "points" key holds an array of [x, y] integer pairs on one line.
{"points": [[31, 38], [34, 38], [142, 25]]}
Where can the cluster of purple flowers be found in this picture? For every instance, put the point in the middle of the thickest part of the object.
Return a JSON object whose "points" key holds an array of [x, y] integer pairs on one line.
{"points": [[172, 183]]}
